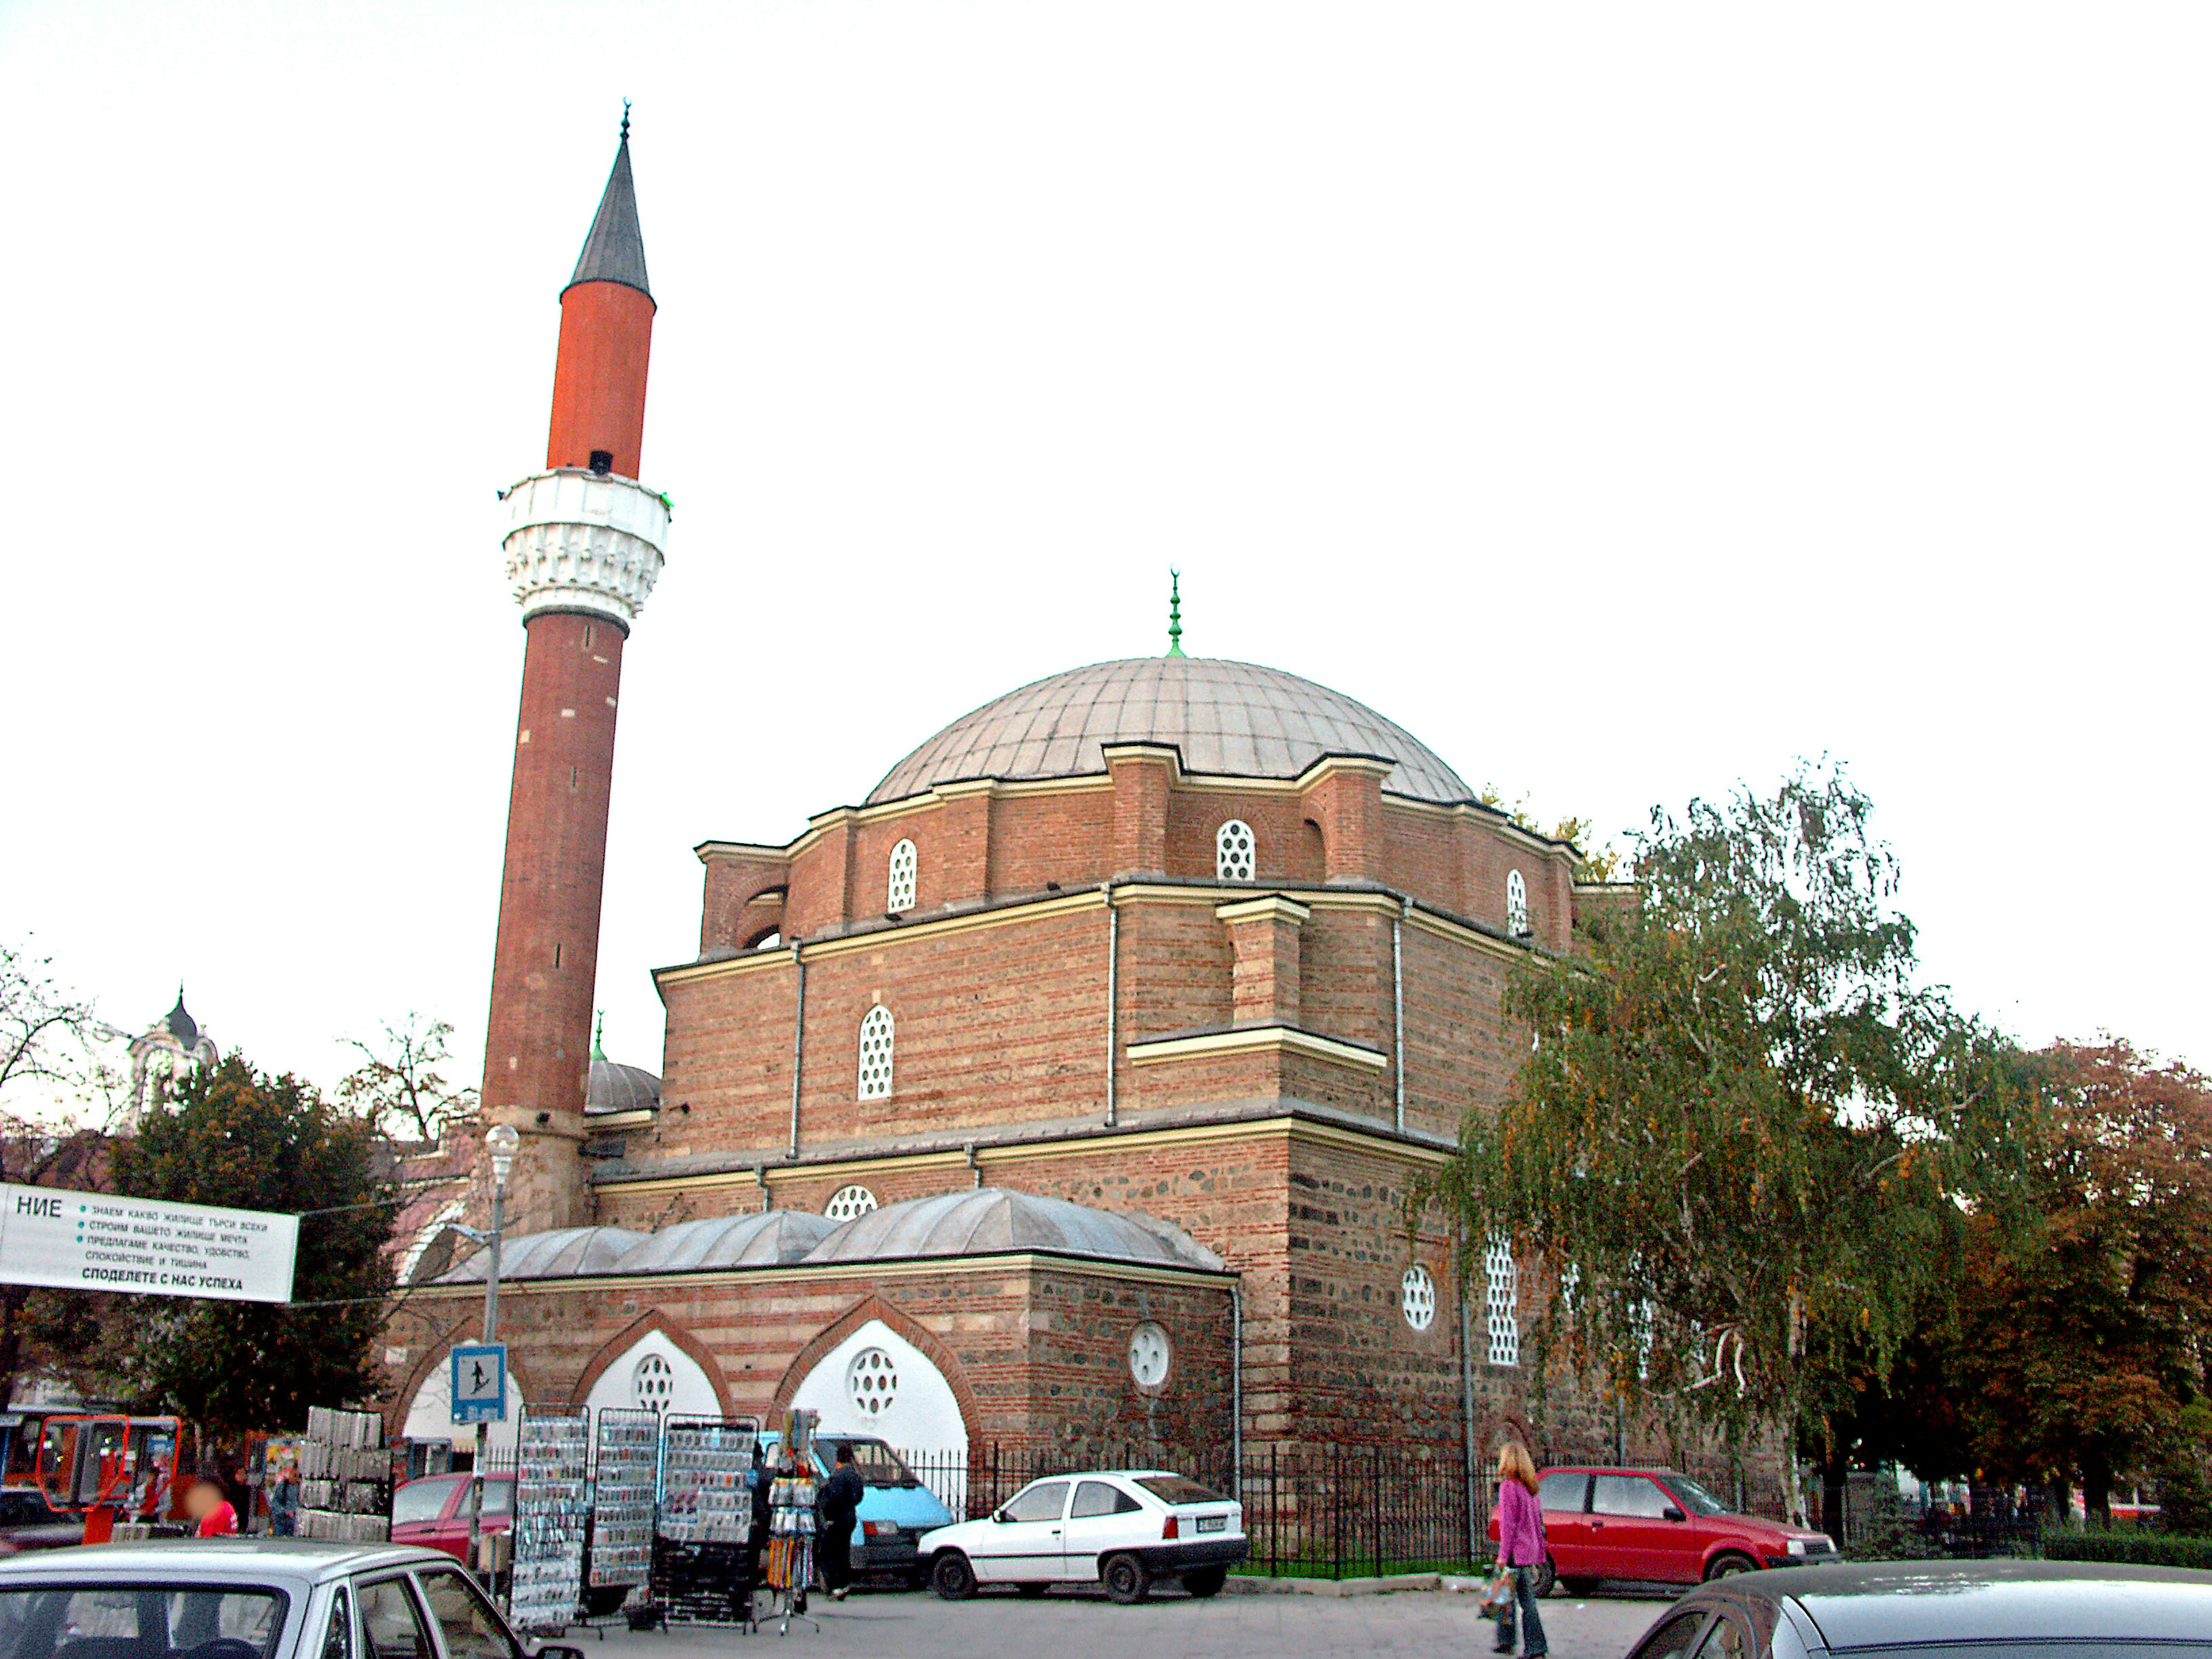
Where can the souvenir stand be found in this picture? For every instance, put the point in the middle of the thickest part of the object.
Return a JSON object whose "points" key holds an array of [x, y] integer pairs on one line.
{"points": [[699, 1554], [791, 1519], [625, 1469], [552, 1506], [345, 1477]]}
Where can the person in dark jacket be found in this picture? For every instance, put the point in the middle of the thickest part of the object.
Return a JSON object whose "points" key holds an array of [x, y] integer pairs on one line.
{"points": [[837, 1505]]}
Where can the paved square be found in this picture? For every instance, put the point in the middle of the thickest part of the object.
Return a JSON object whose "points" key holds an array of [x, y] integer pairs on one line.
{"points": [[1069, 1625]]}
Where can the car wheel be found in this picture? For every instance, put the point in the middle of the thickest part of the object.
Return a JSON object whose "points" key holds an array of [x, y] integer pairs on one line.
{"points": [[1127, 1580], [1032, 1591], [952, 1578], [1205, 1581], [1579, 1587], [1728, 1563], [1548, 1574]]}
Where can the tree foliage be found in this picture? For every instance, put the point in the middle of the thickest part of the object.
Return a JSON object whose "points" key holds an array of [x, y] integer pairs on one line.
{"points": [[230, 1135], [400, 1084], [1740, 1143]]}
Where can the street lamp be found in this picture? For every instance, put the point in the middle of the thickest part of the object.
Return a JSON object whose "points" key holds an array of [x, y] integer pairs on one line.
{"points": [[501, 1142]]}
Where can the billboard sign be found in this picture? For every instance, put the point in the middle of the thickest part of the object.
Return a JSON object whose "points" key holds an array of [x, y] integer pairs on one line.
{"points": [[144, 1246]]}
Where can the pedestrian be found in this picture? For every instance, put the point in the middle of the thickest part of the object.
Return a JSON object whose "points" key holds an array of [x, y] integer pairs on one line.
{"points": [[284, 1502], [205, 1504], [1520, 1547], [838, 1504]]}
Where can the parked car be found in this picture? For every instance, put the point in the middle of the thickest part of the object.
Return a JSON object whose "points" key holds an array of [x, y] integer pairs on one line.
{"points": [[1657, 1525], [895, 1508], [27, 1522], [250, 1598], [1994, 1609], [433, 1512], [1123, 1528]]}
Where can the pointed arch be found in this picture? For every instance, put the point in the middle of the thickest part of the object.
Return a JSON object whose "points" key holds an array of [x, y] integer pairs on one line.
{"points": [[909, 1330], [651, 1321]]}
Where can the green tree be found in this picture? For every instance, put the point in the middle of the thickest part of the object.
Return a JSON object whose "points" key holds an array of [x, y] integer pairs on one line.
{"points": [[230, 1135], [1738, 1147]]}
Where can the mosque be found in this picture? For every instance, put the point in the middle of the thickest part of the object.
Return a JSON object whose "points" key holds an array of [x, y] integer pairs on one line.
{"points": [[1065, 1092]]}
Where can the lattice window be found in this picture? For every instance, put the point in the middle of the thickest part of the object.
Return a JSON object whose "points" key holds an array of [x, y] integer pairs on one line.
{"points": [[1501, 1301], [847, 1202], [1149, 1354], [875, 1054], [899, 894], [871, 1381], [651, 1382], [1417, 1298], [1235, 855], [1516, 905]]}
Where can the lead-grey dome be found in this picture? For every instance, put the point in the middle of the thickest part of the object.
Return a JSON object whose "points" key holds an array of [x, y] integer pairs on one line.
{"points": [[760, 1238], [987, 1219], [1233, 718], [563, 1253]]}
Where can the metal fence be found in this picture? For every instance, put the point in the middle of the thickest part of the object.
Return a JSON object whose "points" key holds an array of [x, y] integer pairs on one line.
{"points": [[1318, 1511]]}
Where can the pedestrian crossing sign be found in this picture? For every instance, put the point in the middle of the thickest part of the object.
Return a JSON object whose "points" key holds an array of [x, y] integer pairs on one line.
{"points": [[480, 1383]]}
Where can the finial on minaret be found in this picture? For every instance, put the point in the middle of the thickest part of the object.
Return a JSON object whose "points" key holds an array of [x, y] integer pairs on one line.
{"points": [[625, 132], [1174, 611], [598, 1051]]}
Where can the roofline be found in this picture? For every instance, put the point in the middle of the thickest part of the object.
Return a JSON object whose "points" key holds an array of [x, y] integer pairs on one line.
{"points": [[900, 1265]]}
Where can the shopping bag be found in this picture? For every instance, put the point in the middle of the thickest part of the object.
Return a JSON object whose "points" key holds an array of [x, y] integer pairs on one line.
{"points": [[1497, 1596]]}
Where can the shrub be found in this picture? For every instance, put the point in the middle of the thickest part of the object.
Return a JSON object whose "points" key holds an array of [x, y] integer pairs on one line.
{"points": [[2148, 1549]]}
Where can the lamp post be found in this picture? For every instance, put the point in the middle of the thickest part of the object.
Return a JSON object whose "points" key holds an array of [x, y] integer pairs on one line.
{"points": [[501, 1141]]}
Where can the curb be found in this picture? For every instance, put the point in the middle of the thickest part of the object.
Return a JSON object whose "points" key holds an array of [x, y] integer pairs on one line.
{"points": [[1249, 1584]]}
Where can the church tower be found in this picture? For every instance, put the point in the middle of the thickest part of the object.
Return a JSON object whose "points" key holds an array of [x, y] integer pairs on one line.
{"points": [[583, 551]]}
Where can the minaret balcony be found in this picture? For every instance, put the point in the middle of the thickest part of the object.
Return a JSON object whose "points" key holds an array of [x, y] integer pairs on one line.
{"points": [[580, 540]]}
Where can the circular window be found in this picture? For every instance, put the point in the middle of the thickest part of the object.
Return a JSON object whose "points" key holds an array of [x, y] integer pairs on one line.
{"points": [[1148, 1355], [871, 1381], [652, 1382], [848, 1201], [1417, 1295]]}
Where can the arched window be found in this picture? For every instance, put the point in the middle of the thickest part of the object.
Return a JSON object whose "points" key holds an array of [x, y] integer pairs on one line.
{"points": [[875, 1054], [1417, 1298], [1502, 1301], [848, 1201], [1516, 905], [1233, 852], [899, 895]]}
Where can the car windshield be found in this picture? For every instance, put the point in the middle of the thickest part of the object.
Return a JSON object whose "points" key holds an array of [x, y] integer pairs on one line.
{"points": [[138, 1621], [1174, 1489], [423, 1500], [1694, 1497], [879, 1465]]}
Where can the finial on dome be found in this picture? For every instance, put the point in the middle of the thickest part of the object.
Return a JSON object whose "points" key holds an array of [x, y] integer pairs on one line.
{"points": [[599, 1031], [1174, 611]]}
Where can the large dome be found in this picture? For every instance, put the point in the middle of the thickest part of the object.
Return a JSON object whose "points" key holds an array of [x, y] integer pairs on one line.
{"points": [[1233, 718]]}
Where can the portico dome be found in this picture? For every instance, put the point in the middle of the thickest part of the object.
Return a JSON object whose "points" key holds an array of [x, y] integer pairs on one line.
{"points": [[1236, 719]]}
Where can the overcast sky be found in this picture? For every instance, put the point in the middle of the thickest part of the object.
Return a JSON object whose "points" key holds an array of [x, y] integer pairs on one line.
{"points": [[1624, 399]]}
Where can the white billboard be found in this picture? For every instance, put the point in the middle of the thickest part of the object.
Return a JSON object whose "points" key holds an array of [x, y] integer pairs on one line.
{"points": [[92, 1242]]}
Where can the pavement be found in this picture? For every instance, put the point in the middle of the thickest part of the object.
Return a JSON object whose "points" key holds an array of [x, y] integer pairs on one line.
{"points": [[1072, 1622]]}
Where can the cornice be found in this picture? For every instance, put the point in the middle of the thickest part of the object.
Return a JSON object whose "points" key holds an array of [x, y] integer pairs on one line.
{"points": [[1254, 1039], [1269, 906]]}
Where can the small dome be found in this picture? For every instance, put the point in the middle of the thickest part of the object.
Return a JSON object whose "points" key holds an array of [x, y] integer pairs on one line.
{"points": [[989, 1219], [763, 1238], [1235, 718], [564, 1253], [615, 1087], [181, 1025]]}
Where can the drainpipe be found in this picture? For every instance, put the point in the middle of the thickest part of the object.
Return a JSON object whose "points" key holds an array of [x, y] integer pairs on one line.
{"points": [[1398, 1003], [1112, 996], [1236, 1387], [798, 1044]]}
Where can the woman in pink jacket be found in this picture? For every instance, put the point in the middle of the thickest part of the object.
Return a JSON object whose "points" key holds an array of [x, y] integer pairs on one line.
{"points": [[1520, 1547]]}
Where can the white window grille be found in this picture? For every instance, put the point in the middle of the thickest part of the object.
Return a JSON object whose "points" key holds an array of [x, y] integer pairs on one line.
{"points": [[1234, 855], [847, 1202], [871, 1381], [1646, 1315], [899, 895], [1417, 1298], [651, 1382], [875, 1054], [1149, 1354], [1516, 905], [1501, 1301]]}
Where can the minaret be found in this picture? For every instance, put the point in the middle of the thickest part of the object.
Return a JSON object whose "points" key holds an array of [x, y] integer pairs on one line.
{"points": [[583, 550]]}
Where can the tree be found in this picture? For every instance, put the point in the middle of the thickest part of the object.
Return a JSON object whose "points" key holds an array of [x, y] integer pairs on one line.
{"points": [[47, 1061], [399, 1085], [2081, 1346], [230, 1135], [1739, 1144]]}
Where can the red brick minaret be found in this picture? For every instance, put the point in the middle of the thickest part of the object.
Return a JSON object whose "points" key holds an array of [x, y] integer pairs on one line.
{"points": [[583, 550]]}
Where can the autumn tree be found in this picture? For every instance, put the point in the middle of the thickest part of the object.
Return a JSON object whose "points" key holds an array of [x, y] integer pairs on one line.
{"points": [[1735, 1151], [400, 1084], [229, 1136]]}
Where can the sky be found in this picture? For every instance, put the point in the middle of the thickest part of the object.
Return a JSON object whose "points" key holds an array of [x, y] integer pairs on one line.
{"points": [[1627, 400]]}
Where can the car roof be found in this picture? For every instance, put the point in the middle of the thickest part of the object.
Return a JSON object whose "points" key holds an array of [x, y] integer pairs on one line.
{"points": [[1884, 1604], [1610, 1468], [310, 1559]]}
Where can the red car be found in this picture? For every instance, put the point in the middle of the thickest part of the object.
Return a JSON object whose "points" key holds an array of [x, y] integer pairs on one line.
{"points": [[434, 1511], [1657, 1526]]}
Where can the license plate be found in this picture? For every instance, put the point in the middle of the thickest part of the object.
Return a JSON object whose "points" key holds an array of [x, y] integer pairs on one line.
{"points": [[1213, 1522]]}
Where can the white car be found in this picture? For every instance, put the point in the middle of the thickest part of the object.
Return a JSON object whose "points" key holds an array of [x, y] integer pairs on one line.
{"points": [[1122, 1528]]}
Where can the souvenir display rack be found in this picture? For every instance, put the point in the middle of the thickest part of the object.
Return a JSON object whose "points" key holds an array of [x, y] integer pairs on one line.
{"points": [[552, 1506], [625, 1477], [700, 1559], [345, 1477], [790, 1566]]}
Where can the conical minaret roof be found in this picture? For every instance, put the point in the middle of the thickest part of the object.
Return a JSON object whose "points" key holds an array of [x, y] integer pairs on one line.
{"points": [[615, 251]]}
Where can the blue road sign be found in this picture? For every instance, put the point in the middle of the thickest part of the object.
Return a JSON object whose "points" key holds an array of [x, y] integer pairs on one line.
{"points": [[480, 1383]]}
